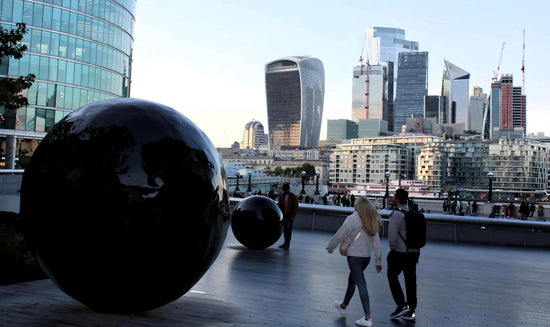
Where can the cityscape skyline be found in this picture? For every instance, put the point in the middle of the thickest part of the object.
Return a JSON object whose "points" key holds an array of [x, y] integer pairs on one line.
{"points": [[221, 48]]}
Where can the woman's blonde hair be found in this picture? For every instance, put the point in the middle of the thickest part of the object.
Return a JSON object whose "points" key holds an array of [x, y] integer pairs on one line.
{"points": [[369, 215]]}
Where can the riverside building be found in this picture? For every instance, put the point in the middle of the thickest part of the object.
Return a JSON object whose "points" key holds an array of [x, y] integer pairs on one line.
{"points": [[520, 166], [295, 88], [80, 52]]}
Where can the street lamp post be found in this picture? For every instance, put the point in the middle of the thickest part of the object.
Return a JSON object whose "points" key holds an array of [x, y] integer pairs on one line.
{"points": [[303, 183], [317, 183], [237, 188], [387, 175], [387, 195], [249, 181], [490, 175]]}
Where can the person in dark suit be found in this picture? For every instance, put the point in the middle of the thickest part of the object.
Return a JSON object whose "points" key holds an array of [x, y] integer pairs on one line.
{"points": [[288, 203]]}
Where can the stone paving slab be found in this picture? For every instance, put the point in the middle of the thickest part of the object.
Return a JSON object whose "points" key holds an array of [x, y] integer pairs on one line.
{"points": [[458, 285]]}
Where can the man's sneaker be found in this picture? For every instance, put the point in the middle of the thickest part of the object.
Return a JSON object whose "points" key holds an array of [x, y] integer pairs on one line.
{"points": [[282, 246], [364, 322], [338, 305], [399, 311], [409, 316]]}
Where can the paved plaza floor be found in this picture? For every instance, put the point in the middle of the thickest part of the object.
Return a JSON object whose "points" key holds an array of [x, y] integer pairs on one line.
{"points": [[458, 285]]}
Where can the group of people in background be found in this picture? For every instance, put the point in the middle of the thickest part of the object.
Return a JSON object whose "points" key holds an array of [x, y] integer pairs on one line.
{"points": [[457, 207]]}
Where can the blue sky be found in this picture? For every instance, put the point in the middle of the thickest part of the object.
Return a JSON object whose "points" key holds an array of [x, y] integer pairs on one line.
{"points": [[206, 58]]}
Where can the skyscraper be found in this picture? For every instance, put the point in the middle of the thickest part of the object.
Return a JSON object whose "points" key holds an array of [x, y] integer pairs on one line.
{"points": [[253, 135], [436, 107], [369, 92], [295, 88], [412, 87], [507, 107], [478, 103], [455, 86], [80, 52], [384, 44]]}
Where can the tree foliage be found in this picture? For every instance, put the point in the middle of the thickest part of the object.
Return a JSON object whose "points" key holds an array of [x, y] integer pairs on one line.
{"points": [[10, 88], [294, 171]]}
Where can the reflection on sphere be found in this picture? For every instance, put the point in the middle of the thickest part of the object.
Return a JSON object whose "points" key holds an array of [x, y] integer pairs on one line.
{"points": [[256, 222], [125, 205]]}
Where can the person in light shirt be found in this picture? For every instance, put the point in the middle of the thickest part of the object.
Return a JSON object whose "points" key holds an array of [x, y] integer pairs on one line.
{"points": [[360, 231]]}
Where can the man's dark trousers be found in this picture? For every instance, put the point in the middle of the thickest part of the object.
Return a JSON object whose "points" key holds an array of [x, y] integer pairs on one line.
{"points": [[403, 262]]}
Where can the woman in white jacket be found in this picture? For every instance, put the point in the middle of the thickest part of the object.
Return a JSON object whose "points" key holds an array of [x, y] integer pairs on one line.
{"points": [[361, 230]]}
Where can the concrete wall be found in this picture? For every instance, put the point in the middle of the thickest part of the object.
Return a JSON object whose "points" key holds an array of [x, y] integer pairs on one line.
{"points": [[440, 228]]}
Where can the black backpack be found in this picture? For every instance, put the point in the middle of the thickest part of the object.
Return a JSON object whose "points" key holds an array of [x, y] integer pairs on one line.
{"points": [[415, 223]]}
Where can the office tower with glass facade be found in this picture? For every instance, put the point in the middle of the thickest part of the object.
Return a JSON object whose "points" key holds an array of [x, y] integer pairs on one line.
{"points": [[372, 128], [80, 52], [412, 87], [369, 92], [436, 107], [507, 108], [478, 103], [341, 129], [384, 44], [295, 88], [253, 135], [455, 86]]}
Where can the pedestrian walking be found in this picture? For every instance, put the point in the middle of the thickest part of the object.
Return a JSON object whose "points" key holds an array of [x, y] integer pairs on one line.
{"points": [[288, 203], [401, 259], [540, 212], [359, 238]]}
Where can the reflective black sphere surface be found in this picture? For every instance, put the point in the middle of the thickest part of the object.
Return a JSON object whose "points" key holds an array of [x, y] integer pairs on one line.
{"points": [[256, 222], [125, 205]]}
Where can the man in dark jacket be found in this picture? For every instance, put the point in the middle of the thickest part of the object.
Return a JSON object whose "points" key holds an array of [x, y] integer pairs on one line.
{"points": [[401, 259], [288, 203]]}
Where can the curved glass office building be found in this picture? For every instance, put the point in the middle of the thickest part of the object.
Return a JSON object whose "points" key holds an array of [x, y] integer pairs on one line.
{"points": [[295, 89], [79, 50]]}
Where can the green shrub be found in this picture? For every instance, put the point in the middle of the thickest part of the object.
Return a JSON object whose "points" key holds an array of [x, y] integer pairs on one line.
{"points": [[16, 260]]}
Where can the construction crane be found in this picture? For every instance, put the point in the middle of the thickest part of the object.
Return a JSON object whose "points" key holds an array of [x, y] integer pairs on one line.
{"points": [[367, 93], [367, 80], [495, 77], [523, 66], [361, 56]]}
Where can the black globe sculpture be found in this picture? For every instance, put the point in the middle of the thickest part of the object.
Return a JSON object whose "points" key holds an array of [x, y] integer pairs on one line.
{"points": [[124, 204], [257, 222]]}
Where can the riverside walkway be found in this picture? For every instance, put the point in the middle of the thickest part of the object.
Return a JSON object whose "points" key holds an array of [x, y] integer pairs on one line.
{"points": [[459, 285]]}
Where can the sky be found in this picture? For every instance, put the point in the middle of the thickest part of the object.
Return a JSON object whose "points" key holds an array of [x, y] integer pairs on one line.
{"points": [[206, 59]]}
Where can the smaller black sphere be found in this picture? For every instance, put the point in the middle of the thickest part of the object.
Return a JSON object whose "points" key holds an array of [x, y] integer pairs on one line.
{"points": [[257, 222]]}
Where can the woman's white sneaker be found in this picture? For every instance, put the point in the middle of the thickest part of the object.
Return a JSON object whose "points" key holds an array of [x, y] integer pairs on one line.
{"points": [[364, 322], [338, 305]]}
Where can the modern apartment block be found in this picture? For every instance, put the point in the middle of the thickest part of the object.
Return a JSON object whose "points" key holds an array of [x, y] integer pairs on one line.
{"points": [[412, 87], [295, 88], [80, 52], [517, 164], [454, 163], [455, 86], [520, 164], [366, 160], [253, 136]]}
